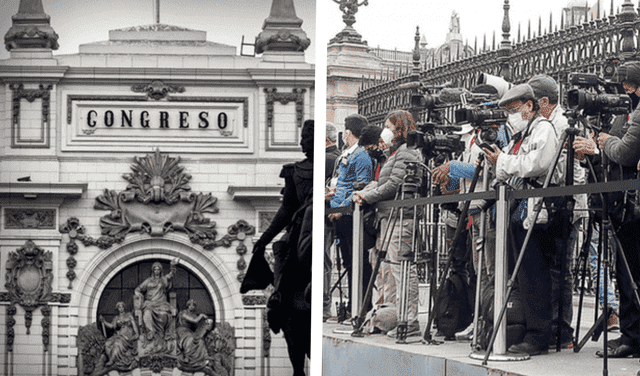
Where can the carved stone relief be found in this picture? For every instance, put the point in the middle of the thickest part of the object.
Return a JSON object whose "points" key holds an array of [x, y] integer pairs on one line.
{"points": [[75, 231], [157, 89], [28, 218], [29, 283], [220, 347], [159, 200]]}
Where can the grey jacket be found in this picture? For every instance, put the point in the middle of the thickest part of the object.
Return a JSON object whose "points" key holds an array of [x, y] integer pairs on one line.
{"points": [[625, 151], [392, 174]]}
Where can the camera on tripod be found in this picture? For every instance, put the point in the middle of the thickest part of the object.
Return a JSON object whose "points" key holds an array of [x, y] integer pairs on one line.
{"points": [[434, 140], [487, 118], [602, 97]]}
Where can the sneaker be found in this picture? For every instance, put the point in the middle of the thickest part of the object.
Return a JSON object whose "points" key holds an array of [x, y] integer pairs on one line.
{"points": [[465, 335], [612, 322], [412, 330]]}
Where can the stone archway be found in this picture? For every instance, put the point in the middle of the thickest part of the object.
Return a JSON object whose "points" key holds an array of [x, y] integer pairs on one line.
{"points": [[219, 344], [220, 282]]}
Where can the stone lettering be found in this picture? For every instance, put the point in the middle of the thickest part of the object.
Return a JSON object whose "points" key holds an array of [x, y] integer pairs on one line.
{"points": [[204, 122], [184, 123], [90, 120], [108, 118], [164, 119]]}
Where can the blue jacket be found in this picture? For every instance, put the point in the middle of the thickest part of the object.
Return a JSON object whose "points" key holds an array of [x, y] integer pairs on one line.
{"points": [[356, 166]]}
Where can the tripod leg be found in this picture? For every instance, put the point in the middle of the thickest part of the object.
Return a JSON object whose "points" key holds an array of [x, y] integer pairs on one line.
{"points": [[461, 224], [358, 321], [584, 263]]}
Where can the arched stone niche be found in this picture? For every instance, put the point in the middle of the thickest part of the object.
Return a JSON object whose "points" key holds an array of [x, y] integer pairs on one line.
{"points": [[209, 267]]}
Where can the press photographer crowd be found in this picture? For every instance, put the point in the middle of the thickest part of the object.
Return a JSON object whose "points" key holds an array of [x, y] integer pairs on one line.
{"points": [[554, 151]]}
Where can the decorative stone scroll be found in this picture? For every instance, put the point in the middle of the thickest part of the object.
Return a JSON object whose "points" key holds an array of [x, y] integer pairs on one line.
{"points": [[157, 89]]}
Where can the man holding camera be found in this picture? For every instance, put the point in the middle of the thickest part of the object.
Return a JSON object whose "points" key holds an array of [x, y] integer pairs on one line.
{"points": [[354, 165], [624, 154], [525, 162]]}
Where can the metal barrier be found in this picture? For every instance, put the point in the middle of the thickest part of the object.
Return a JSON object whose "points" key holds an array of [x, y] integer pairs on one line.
{"points": [[503, 198]]}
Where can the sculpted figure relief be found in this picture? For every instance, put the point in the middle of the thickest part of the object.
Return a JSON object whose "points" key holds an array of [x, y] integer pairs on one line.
{"points": [[191, 330], [156, 312], [121, 348]]}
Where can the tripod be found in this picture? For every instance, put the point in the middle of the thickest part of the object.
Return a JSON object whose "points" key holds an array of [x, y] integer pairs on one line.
{"points": [[408, 189], [623, 266], [341, 308], [461, 225]]}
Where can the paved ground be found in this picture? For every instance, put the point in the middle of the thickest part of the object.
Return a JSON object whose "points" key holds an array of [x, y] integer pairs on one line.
{"points": [[380, 355]]}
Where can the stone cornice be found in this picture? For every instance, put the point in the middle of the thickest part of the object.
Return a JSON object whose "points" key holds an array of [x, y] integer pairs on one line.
{"points": [[35, 190], [249, 193], [27, 74]]}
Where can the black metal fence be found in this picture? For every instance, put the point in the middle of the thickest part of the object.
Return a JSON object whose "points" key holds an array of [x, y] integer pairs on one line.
{"points": [[586, 48]]}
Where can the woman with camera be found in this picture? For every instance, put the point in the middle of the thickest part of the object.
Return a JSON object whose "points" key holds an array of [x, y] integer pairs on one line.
{"points": [[390, 180]]}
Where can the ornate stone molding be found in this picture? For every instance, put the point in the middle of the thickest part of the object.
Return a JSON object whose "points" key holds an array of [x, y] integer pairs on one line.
{"points": [[251, 300], [157, 89], [281, 30], [31, 28], [266, 334], [349, 9], [19, 93], [29, 218], [158, 200], [10, 322], [73, 228], [29, 277], [296, 95]]}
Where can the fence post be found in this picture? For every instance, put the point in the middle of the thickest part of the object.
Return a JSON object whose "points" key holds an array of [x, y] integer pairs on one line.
{"points": [[501, 270], [356, 264]]}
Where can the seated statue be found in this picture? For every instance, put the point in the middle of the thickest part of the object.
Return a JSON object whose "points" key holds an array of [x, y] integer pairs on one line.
{"points": [[191, 330], [156, 315], [121, 348]]}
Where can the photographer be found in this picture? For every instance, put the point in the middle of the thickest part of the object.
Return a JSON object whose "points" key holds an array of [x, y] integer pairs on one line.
{"points": [[624, 154], [526, 160], [391, 177], [546, 90], [353, 165]]}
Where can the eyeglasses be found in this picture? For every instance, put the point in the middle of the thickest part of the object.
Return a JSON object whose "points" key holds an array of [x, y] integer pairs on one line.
{"points": [[514, 110]]}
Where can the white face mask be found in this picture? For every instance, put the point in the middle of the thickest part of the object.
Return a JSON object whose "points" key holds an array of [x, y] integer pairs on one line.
{"points": [[386, 136], [517, 122]]}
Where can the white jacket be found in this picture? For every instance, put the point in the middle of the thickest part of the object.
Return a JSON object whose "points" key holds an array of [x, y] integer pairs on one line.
{"points": [[533, 160]]}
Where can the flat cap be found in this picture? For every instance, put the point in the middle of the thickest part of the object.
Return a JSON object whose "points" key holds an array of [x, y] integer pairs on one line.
{"points": [[544, 86], [522, 92], [629, 72]]}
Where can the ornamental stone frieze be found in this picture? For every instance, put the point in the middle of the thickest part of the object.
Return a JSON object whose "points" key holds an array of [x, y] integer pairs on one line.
{"points": [[158, 200]]}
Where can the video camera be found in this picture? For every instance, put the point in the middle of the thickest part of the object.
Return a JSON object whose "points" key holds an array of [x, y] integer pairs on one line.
{"points": [[609, 98], [433, 140], [485, 115]]}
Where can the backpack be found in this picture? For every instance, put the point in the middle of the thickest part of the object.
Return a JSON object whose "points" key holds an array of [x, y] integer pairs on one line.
{"points": [[514, 315], [454, 311]]}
